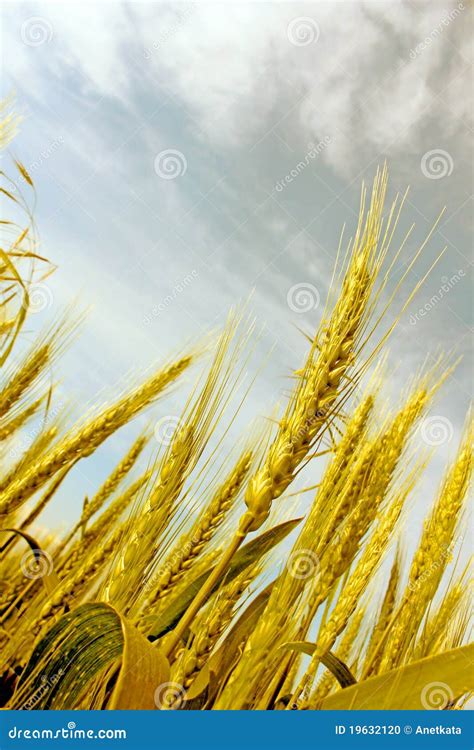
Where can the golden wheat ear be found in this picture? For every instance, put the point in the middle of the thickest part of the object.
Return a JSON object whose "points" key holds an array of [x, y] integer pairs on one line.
{"points": [[113, 481], [446, 627], [384, 616], [191, 546], [347, 651], [82, 441], [323, 384], [433, 554], [201, 416]]}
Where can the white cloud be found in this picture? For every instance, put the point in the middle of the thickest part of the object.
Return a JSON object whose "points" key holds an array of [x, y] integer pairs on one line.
{"points": [[231, 65]]}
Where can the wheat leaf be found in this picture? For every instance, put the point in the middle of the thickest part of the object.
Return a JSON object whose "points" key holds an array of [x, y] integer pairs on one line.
{"points": [[142, 671], [50, 580], [337, 667], [73, 652], [429, 683], [248, 555], [79, 650]]}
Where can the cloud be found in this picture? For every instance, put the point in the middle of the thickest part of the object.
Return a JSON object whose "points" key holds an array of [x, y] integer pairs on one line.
{"points": [[367, 82]]}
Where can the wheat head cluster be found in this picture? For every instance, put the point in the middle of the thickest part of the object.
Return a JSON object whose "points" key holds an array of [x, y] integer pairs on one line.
{"points": [[190, 578]]}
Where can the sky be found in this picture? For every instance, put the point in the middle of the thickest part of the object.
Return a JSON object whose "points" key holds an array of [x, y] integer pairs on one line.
{"points": [[188, 156]]}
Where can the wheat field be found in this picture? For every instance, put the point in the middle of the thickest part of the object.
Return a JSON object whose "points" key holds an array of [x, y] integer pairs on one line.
{"points": [[195, 584]]}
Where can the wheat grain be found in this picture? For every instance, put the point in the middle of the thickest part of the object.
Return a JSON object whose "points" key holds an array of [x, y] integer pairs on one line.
{"points": [[84, 441], [354, 587], [151, 563], [114, 480], [182, 558], [209, 627], [103, 525], [432, 555], [16, 422], [387, 608]]}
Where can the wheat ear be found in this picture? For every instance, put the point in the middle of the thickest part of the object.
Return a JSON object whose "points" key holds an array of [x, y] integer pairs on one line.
{"points": [[15, 423], [354, 587], [317, 395], [343, 652], [84, 441], [384, 617], [209, 627], [182, 558], [432, 555], [103, 525]]}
